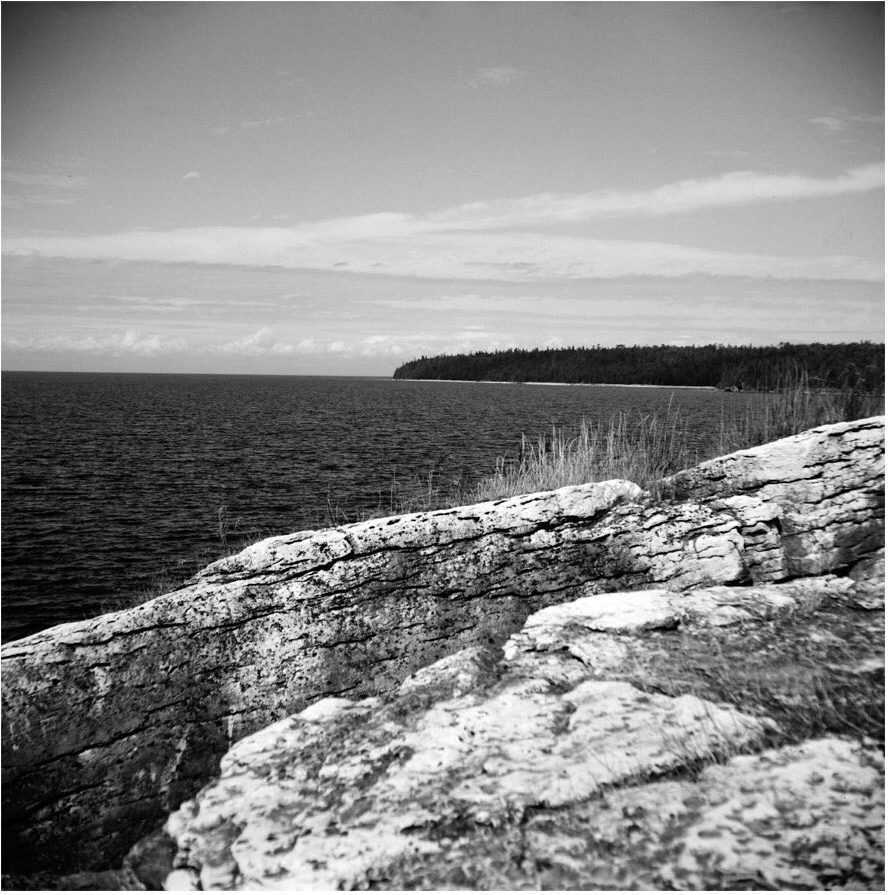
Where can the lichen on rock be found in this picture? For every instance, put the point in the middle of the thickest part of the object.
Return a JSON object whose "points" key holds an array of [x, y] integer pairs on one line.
{"points": [[331, 804], [544, 767]]}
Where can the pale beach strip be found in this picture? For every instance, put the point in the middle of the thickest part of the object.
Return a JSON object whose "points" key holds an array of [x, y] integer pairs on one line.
{"points": [[711, 388]]}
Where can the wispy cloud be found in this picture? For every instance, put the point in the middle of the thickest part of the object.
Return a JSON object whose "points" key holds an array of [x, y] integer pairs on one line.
{"points": [[828, 123], [840, 120], [728, 153], [680, 197], [47, 181], [251, 124], [139, 305], [869, 119], [497, 240], [496, 76], [192, 175], [492, 256], [22, 187], [23, 199], [131, 342]]}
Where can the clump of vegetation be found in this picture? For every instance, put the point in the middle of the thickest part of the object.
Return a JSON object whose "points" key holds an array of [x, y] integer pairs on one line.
{"points": [[642, 449], [818, 674], [800, 402]]}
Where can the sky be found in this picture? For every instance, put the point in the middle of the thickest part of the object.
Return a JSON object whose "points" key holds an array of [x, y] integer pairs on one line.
{"points": [[337, 188]]}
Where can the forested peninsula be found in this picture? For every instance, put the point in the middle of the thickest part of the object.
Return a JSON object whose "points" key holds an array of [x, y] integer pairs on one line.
{"points": [[855, 365]]}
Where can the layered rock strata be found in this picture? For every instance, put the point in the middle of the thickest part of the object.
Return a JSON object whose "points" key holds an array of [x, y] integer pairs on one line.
{"points": [[109, 723], [809, 493]]}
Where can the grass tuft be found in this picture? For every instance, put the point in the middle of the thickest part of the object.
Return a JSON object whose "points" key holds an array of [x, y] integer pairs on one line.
{"points": [[808, 672], [647, 449], [643, 449]]}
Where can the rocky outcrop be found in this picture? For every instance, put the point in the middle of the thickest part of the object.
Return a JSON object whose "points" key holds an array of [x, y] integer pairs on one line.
{"points": [[806, 492], [542, 767], [110, 723]]}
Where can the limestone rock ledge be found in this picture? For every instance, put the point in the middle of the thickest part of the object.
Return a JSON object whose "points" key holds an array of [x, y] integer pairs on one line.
{"points": [[110, 723], [539, 767]]}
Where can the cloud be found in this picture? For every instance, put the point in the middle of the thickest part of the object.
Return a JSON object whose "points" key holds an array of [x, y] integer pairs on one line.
{"points": [[680, 197], [173, 303], [840, 121], [869, 119], [728, 153], [389, 345], [21, 188], [265, 342], [496, 240], [192, 175], [513, 257], [250, 124], [496, 76], [384, 345], [10, 201], [47, 181], [131, 342], [828, 123]]}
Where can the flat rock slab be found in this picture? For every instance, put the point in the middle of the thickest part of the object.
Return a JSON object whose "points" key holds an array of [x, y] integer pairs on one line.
{"points": [[328, 800], [530, 767], [801, 817], [809, 653], [635, 611]]}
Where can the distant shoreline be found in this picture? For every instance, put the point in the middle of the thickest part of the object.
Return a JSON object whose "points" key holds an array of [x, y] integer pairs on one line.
{"points": [[711, 388]]}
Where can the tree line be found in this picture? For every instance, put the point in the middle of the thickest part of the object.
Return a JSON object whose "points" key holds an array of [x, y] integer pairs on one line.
{"points": [[847, 365]]}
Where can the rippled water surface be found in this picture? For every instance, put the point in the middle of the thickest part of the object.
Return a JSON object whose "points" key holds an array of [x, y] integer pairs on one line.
{"points": [[108, 479]]}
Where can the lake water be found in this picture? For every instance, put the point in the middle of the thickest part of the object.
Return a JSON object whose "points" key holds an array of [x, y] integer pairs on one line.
{"points": [[108, 479]]}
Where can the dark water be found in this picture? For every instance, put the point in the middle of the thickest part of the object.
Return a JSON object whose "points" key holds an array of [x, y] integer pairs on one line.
{"points": [[109, 479]]}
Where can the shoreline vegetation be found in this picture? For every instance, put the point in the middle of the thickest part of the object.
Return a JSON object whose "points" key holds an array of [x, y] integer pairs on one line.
{"points": [[731, 367], [643, 449], [570, 384]]}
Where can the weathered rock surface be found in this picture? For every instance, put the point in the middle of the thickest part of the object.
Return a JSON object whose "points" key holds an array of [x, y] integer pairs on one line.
{"points": [[811, 486], [110, 723], [806, 816], [536, 771]]}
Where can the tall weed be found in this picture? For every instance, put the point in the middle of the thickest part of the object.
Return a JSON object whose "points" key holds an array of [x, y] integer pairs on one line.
{"points": [[796, 405], [643, 449], [646, 449]]}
